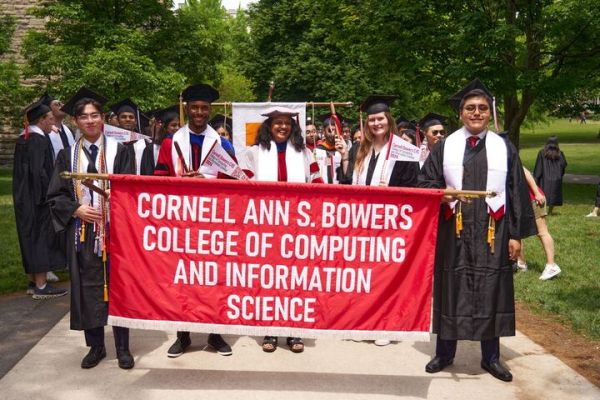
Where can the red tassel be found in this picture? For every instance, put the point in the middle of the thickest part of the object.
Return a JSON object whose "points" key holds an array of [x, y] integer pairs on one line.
{"points": [[418, 137]]}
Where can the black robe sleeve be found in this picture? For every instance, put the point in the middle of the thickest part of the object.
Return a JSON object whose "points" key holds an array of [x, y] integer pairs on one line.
{"points": [[432, 174], [538, 169], [124, 160], [61, 195], [147, 164], [521, 219], [346, 178], [404, 174]]}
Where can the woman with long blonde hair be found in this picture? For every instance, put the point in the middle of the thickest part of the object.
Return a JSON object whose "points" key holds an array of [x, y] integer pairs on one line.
{"points": [[365, 164]]}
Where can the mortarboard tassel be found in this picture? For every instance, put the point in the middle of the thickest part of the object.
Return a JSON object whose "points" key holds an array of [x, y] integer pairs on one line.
{"points": [[360, 117], [491, 233], [418, 136], [459, 220], [181, 119]]}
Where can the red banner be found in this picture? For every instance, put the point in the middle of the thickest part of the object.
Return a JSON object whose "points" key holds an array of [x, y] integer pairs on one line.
{"points": [[257, 258]]}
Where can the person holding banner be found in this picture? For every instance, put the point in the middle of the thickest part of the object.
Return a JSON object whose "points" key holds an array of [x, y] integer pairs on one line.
{"points": [[473, 295], [183, 155], [280, 155], [81, 208], [368, 164]]}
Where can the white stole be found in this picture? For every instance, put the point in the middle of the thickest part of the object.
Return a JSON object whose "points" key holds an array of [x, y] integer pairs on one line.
{"points": [[324, 162], [497, 160], [182, 137], [110, 153], [360, 178], [267, 164]]}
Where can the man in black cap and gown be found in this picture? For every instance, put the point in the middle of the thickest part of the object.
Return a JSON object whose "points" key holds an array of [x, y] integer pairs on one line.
{"points": [[83, 214], [194, 139], [41, 248], [473, 295]]}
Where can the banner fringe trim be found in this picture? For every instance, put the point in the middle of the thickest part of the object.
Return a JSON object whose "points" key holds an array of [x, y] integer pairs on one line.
{"points": [[245, 330]]}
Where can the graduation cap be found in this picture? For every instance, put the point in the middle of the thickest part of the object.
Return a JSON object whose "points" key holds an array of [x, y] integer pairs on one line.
{"points": [[200, 91], [327, 120], [165, 115], [36, 110], [376, 104], [457, 97], [432, 119], [46, 99], [125, 105], [82, 93], [475, 84], [279, 110], [220, 120], [410, 124]]}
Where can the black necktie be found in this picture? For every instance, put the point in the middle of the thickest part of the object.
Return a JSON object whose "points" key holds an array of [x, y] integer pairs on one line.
{"points": [[92, 160], [63, 137]]}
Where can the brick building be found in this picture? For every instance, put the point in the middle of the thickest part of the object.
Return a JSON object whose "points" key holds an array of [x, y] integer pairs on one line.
{"points": [[24, 21]]}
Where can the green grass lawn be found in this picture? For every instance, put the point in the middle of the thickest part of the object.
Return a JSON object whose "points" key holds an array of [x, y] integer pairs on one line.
{"points": [[575, 294], [580, 144], [12, 277], [567, 132]]}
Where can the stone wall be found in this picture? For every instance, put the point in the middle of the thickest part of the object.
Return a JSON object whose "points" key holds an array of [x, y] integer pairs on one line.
{"points": [[17, 9]]}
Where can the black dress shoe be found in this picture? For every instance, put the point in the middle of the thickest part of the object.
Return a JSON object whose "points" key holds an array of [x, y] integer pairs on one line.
{"points": [[125, 359], [437, 364], [497, 370], [93, 357]]}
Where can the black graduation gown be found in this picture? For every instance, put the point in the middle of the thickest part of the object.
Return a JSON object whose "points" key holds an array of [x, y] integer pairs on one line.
{"points": [[404, 173], [148, 162], [473, 294], [548, 175], [88, 308], [42, 249]]}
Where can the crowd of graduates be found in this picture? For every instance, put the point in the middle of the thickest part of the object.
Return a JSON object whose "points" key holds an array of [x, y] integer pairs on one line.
{"points": [[64, 221]]}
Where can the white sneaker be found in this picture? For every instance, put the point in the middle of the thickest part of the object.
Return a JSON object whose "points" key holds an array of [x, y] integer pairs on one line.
{"points": [[51, 277], [522, 265], [591, 215], [382, 342], [550, 272]]}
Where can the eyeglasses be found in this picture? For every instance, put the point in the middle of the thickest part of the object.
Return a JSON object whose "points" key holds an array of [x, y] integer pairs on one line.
{"points": [[440, 132], [89, 117], [481, 107]]}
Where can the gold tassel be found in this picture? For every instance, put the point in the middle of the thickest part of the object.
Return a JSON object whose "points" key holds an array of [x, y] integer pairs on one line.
{"points": [[105, 284], [82, 234], [491, 233], [459, 220]]}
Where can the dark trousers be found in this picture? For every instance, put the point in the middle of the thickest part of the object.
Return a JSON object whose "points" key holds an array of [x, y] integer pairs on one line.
{"points": [[95, 337], [490, 349]]}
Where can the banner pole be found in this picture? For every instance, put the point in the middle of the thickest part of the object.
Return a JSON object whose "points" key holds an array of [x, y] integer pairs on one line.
{"points": [[309, 104], [448, 192]]}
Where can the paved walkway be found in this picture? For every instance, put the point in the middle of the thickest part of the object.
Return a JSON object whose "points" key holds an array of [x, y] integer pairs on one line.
{"points": [[328, 369], [583, 179]]}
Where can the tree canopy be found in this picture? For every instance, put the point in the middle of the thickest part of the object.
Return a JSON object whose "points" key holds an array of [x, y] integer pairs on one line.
{"points": [[533, 54]]}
